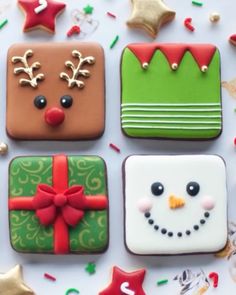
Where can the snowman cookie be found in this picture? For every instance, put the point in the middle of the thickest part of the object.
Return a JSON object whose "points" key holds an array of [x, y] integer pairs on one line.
{"points": [[175, 204]]}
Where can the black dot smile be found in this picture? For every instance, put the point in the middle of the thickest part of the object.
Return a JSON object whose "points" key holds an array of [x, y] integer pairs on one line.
{"points": [[180, 234]]}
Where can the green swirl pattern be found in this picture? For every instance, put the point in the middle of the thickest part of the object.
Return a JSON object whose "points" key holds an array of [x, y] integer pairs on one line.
{"points": [[26, 233]]}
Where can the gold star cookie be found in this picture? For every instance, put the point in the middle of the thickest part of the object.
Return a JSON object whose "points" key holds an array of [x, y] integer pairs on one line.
{"points": [[11, 283], [150, 15]]}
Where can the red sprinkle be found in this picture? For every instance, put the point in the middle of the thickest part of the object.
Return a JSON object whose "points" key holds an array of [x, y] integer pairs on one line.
{"points": [[50, 277], [187, 23], [235, 141], [73, 30], [111, 14], [215, 277], [114, 147]]}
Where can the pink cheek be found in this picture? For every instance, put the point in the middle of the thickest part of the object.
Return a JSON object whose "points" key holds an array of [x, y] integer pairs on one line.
{"points": [[208, 203], [144, 205]]}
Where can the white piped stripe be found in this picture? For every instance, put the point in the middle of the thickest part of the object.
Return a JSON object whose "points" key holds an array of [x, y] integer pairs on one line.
{"points": [[169, 104], [170, 127], [171, 122], [172, 116], [127, 109]]}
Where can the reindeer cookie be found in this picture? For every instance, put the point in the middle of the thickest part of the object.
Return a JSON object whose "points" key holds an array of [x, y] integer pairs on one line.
{"points": [[175, 204], [55, 91]]}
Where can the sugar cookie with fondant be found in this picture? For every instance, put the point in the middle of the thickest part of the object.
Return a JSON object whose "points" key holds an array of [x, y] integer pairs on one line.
{"points": [[58, 205], [175, 204], [171, 91], [55, 91]]}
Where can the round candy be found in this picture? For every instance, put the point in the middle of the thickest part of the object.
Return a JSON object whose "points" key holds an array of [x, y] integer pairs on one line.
{"points": [[157, 188], [145, 205], [3, 148], [214, 17]]}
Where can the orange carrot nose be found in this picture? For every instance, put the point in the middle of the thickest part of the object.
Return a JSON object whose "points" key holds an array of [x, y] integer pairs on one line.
{"points": [[175, 202]]}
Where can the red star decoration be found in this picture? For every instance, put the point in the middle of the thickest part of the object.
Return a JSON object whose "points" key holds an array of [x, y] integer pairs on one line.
{"points": [[46, 19], [133, 280]]}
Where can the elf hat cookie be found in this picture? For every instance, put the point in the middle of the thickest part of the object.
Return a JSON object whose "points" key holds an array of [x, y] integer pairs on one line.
{"points": [[55, 87], [41, 14], [177, 204], [60, 206], [171, 91]]}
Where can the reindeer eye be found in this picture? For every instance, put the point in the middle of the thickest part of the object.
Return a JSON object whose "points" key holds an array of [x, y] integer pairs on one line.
{"points": [[66, 101], [40, 102]]}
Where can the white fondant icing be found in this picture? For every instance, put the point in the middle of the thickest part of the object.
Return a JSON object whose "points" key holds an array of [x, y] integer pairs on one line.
{"points": [[175, 172]]}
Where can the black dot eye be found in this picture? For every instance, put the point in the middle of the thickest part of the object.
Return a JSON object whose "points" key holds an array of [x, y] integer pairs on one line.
{"points": [[157, 188], [193, 188], [40, 102], [66, 101]]}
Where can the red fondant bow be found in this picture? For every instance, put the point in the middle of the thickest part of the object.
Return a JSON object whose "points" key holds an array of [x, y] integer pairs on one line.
{"points": [[49, 204]]}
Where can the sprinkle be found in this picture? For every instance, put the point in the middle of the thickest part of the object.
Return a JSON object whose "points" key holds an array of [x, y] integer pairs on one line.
{"points": [[72, 290], [215, 277], [111, 14], [113, 43], [214, 17], [235, 141], [50, 277], [114, 147], [197, 3], [91, 268], [162, 282], [232, 39], [73, 30], [88, 9], [187, 23], [2, 24]]}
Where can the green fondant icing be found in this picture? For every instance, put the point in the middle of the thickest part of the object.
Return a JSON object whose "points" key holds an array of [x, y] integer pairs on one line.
{"points": [[161, 85], [27, 235]]}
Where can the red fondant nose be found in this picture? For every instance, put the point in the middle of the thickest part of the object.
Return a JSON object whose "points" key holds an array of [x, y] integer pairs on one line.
{"points": [[54, 116]]}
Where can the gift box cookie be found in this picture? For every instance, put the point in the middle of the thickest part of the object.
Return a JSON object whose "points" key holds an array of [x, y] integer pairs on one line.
{"points": [[55, 91], [171, 91], [176, 204], [58, 204]]}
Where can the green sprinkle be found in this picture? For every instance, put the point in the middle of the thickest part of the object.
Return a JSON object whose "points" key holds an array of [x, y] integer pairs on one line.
{"points": [[72, 290], [2, 24], [91, 268], [197, 3], [162, 282], [113, 43]]}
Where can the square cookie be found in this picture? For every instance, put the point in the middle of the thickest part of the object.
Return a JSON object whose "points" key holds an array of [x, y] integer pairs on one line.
{"points": [[58, 204], [55, 91], [171, 91], [175, 204]]}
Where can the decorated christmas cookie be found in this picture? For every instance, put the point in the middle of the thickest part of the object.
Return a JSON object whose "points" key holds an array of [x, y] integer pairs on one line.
{"points": [[150, 15], [58, 88], [58, 205], [176, 204], [12, 283], [125, 283], [41, 14], [171, 91]]}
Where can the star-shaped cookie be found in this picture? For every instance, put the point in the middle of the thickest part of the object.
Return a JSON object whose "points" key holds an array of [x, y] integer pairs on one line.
{"points": [[41, 14], [150, 15], [11, 283], [125, 282]]}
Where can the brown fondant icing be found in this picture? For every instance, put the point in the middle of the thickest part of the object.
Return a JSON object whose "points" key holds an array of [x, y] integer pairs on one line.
{"points": [[83, 120]]}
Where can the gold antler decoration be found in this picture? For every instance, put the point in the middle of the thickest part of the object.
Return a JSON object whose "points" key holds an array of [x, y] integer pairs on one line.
{"points": [[28, 70], [77, 71]]}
